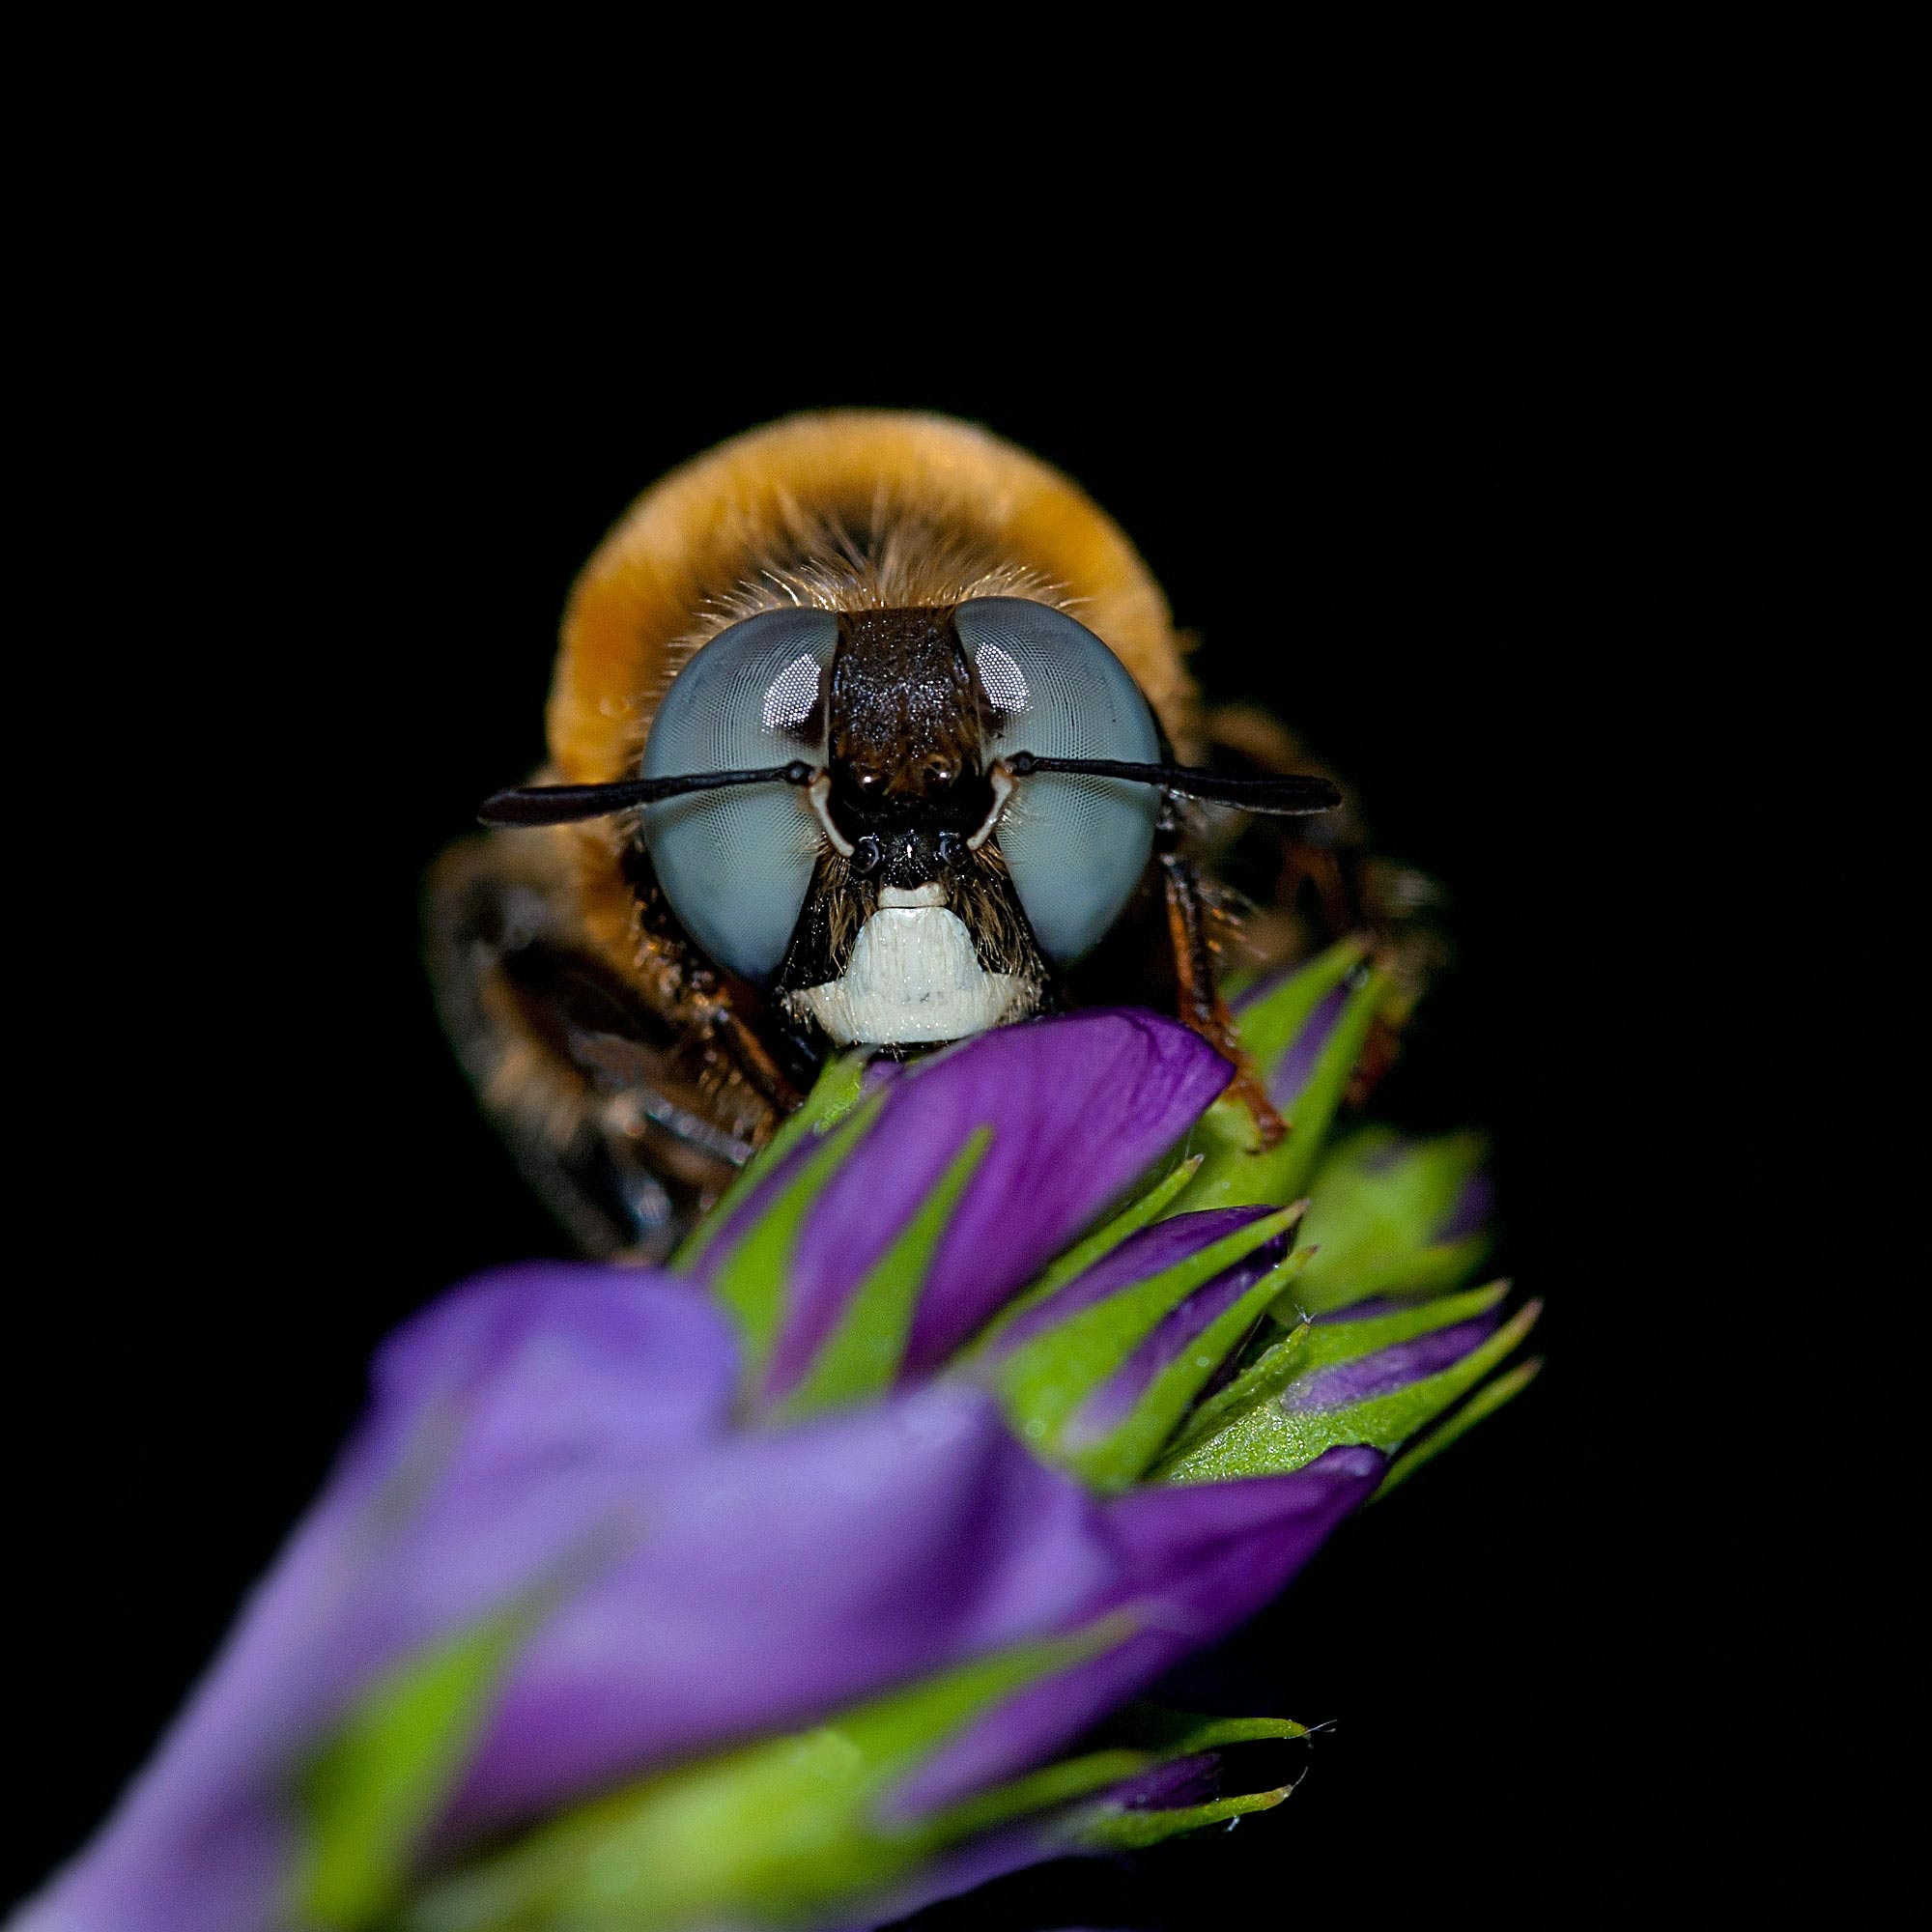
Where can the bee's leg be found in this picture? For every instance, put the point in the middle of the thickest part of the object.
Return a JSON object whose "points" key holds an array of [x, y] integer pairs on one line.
{"points": [[603, 1088], [1202, 1009], [1323, 882], [754, 1061], [704, 1001]]}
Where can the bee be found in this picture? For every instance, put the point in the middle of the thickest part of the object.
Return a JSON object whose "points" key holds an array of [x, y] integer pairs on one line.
{"points": [[867, 728]]}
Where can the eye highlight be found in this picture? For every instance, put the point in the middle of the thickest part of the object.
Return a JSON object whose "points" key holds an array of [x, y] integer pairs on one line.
{"points": [[737, 863], [792, 696], [1004, 681], [1075, 845]]}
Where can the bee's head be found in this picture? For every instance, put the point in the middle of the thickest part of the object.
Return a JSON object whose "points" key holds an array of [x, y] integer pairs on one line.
{"points": [[900, 820]]}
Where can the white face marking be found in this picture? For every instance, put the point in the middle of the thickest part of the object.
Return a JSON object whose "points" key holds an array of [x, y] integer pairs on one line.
{"points": [[913, 981], [931, 894]]}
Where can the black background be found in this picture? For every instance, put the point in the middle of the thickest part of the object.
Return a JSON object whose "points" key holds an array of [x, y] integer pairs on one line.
{"points": [[1480, 542]]}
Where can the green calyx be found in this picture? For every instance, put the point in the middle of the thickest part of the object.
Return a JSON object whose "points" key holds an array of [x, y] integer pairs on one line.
{"points": [[778, 1832], [762, 1834], [1374, 1205]]}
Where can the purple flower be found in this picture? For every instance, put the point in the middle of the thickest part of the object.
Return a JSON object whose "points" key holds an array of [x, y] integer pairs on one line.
{"points": [[770, 1587], [548, 1466]]}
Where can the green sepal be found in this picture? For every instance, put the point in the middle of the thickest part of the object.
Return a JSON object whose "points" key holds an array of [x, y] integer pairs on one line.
{"points": [[1236, 1171], [1043, 1790], [1324, 1345], [1374, 1203], [376, 1785], [1486, 1400], [837, 1090], [1267, 1375], [1142, 1738], [1268, 1438], [753, 1280], [1171, 1734], [861, 1356], [1043, 1381], [1120, 1829]]}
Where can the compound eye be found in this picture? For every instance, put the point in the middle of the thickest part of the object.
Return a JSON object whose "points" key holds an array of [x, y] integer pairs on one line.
{"points": [[1076, 846], [736, 863]]}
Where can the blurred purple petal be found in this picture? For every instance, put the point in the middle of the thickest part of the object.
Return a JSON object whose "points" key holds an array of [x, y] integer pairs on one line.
{"points": [[151, 1880], [559, 1433], [1181, 1780], [533, 1369], [978, 1862], [784, 1575], [1185, 1781], [1080, 1106]]}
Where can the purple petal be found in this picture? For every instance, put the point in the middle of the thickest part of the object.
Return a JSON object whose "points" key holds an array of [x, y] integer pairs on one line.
{"points": [[554, 1437], [1387, 1369], [1181, 1780], [785, 1574], [965, 1868], [1293, 1071], [1149, 1252], [1080, 1107], [1201, 1559], [152, 1882], [560, 1359], [1110, 1404]]}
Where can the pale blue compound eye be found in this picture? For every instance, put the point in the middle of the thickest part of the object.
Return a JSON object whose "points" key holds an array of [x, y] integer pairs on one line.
{"points": [[1076, 846], [736, 863]]}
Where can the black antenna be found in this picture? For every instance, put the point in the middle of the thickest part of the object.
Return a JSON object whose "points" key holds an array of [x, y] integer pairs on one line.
{"points": [[1289, 796], [562, 804]]}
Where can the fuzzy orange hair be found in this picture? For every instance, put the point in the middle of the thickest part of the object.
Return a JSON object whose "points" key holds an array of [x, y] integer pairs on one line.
{"points": [[843, 509]]}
